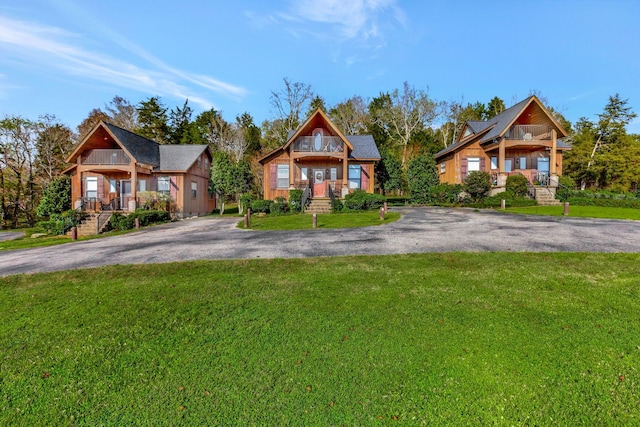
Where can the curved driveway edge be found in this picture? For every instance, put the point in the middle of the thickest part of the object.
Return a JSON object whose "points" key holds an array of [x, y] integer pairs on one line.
{"points": [[427, 229]]}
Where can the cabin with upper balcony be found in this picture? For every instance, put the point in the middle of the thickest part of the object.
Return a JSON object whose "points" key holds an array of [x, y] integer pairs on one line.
{"points": [[524, 139], [319, 159], [114, 169]]}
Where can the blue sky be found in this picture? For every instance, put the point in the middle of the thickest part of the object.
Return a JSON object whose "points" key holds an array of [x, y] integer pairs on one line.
{"points": [[66, 57]]}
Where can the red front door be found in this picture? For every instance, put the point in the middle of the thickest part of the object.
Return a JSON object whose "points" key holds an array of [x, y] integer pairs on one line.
{"points": [[319, 186]]}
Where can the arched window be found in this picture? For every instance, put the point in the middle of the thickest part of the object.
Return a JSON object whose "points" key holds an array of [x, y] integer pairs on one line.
{"points": [[317, 141]]}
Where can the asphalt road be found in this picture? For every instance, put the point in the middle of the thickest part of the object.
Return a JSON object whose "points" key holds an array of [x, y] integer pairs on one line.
{"points": [[419, 230]]}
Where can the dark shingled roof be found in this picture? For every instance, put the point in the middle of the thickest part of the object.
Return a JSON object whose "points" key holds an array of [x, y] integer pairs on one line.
{"points": [[142, 149], [364, 147], [179, 157]]}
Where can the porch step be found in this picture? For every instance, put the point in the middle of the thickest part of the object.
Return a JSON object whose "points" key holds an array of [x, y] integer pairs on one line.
{"points": [[319, 206], [546, 197], [89, 226]]}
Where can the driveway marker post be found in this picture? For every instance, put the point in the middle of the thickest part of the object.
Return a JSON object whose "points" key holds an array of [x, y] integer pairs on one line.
{"points": [[566, 208], [503, 204], [315, 220], [381, 214]]}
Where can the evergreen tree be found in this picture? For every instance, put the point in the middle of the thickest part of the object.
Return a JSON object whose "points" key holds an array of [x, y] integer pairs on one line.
{"points": [[152, 117]]}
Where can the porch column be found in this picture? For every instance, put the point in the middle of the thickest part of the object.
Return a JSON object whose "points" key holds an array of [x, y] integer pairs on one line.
{"points": [[502, 179], [553, 173], [132, 205], [291, 172], [345, 172]]}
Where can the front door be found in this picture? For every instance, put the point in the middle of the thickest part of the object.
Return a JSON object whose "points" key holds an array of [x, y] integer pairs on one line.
{"points": [[125, 193], [319, 185]]}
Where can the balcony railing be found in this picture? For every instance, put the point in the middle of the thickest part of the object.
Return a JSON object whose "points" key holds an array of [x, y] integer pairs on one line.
{"points": [[327, 144], [103, 156], [529, 132]]}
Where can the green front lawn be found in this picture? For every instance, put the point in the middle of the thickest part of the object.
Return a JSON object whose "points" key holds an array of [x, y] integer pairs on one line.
{"points": [[430, 339], [580, 211], [305, 221]]}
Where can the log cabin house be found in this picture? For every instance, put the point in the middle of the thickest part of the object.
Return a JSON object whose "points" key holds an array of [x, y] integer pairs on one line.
{"points": [[523, 139], [114, 169], [318, 157]]}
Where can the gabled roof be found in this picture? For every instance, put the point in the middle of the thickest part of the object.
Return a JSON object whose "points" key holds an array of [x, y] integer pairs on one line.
{"points": [[169, 158], [142, 149], [497, 126], [317, 113], [364, 147], [179, 157]]}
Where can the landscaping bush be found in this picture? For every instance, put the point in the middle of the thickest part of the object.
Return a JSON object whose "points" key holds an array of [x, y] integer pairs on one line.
{"points": [[422, 176], [517, 185], [261, 206], [56, 197], [279, 206], [244, 201], [119, 221], [60, 223], [604, 202], [397, 200], [295, 200], [567, 181], [511, 201], [477, 185], [446, 194], [360, 200]]}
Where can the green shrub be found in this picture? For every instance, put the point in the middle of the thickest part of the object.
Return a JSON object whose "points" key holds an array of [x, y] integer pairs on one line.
{"points": [[604, 202], [244, 201], [567, 181], [446, 194], [279, 206], [477, 185], [295, 200], [119, 221], [517, 185], [360, 200], [397, 200], [60, 223], [422, 176], [261, 206], [56, 197], [511, 201]]}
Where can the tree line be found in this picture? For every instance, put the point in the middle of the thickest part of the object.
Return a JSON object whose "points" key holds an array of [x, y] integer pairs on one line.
{"points": [[407, 125]]}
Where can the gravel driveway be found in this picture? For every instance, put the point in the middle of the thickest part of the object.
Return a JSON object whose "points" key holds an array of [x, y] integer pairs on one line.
{"points": [[419, 230]]}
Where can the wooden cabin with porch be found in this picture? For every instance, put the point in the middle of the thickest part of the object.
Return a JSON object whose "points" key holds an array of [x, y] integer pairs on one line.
{"points": [[524, 139], [114, 169], [321, 160]]}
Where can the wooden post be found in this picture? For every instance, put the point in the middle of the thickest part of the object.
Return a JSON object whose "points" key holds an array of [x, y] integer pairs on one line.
{"points": [[246, 220], [381, 213], [385, 207], [249, 212], [566, 208], [503, 204], [74, 233], [137, 221], [315, 220]]}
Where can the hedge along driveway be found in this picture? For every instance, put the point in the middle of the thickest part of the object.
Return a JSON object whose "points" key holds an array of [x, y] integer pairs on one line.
{"points": [[419, 230]]}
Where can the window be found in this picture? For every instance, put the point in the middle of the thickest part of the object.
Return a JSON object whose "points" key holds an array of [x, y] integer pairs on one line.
{"points": [[522, 163], [443, 167], [508, 165], [206, 163], [543, 164], [354, 176], [91, 190], [142, 185], [494, 163], [199, 161], [473, 164], [334, 174], [194, 189], [112, 186], [303, 174], [283, 176], [164, 185]]}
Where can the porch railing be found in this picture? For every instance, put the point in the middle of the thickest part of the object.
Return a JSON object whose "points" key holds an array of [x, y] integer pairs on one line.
{"points": [[529, 132], [332, 196], [306, 195], [105, 156], [95, 204], [318, 144]]}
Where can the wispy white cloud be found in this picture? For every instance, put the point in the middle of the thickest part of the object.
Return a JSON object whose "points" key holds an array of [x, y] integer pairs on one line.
{"points": [[55, 48], [364, 24]]}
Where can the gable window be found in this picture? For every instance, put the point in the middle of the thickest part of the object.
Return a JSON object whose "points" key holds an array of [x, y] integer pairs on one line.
{"points": [[354, 176], [194, 189], [199, 161], [473, 164], [206, 163], [494, 163], [443, 167], [522, 163], [164, 185], [283, 176]]}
